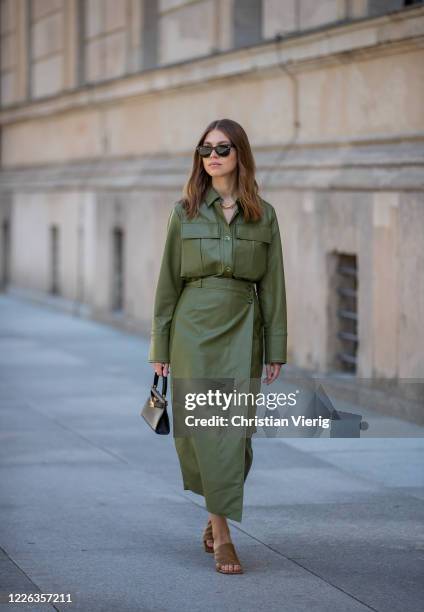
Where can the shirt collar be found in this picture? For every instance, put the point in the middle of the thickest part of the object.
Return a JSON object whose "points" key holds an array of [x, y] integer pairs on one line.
{"points": [[212, 195]]}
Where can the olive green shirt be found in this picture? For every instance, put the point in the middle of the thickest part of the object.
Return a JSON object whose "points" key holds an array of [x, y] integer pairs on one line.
{"points": [[208, 246]]}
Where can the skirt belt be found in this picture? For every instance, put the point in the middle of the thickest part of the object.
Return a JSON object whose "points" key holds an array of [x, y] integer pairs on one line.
{"points": [[225, 282]]}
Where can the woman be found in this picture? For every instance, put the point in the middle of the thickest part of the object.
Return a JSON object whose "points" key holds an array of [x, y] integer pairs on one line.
{"points": [[209, 322]]}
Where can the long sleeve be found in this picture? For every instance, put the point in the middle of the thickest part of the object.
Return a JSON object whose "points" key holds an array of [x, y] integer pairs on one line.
{"points": [[272, 300], [168, 290]]}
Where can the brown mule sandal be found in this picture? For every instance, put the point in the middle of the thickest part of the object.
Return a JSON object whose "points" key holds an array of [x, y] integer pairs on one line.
{"points": [[208, 535], [226, 555]]}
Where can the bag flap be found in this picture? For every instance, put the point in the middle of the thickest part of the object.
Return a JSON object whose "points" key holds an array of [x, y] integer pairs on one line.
{"points": [[157, 396], [250, 232], [200, 230]]}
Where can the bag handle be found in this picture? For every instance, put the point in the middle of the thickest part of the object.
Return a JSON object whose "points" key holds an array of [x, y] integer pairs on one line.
{"points": [[164, 382]]}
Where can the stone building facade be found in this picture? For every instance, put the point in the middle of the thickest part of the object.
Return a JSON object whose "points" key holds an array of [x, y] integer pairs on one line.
{"points": [[102, 102]]}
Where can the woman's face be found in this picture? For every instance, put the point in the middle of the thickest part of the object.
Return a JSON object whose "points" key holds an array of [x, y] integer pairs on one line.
{"points": [[216, 165]]}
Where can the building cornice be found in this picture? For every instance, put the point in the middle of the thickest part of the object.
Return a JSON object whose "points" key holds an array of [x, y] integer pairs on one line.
{"points": [[350, 166]]}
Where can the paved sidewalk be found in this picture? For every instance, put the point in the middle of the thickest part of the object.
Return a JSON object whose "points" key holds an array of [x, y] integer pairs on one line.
{"points": [[92, 502]]}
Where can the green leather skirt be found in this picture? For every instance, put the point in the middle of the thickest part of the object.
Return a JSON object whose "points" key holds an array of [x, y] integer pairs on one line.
{"points": [[216, 333]]}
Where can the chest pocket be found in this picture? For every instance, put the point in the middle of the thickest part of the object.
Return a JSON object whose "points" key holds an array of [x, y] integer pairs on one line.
{"points": [[201, 249], [251, 251]]}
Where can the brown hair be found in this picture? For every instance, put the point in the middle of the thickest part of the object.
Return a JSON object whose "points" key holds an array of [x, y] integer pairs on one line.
{"points": [[197, 185]]}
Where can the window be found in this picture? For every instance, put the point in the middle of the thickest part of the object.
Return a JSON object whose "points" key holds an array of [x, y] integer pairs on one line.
{"points": [[9, 43], [46, 52], [54, 260], [118, 270], [104, 39], [247, 22], [5, 255]]}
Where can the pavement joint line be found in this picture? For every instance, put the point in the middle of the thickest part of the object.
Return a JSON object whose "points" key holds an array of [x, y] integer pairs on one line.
{"points": [[339, 452], [59, 396], [79, 435], [344, 470], [36, 587], [292, 560]]}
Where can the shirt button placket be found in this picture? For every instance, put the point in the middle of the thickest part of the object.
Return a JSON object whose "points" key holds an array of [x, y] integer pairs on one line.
{"points": [[227, 251]]}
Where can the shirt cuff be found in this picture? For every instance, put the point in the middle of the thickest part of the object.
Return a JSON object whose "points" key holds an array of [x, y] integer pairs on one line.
{"points": [[276, 348], [159, 348]]}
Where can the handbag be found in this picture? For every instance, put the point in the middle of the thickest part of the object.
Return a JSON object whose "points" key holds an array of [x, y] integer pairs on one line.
{"points": [[154, 410]]}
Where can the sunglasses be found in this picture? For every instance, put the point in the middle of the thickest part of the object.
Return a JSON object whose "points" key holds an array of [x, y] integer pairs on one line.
{"points": [[223, 150]]}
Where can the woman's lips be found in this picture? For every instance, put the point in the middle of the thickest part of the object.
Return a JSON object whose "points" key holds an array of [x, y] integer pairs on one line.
{"points": [[213, 165]]}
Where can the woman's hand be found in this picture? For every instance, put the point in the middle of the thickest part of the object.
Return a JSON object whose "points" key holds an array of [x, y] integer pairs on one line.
{"points": [[272, 372], [161, 369]]}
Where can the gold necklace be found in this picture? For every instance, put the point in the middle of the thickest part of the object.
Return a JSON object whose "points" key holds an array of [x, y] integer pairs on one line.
{"points": [[228, 205]]}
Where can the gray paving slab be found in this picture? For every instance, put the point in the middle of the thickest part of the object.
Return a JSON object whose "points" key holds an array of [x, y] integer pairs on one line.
{"points": [[91, 501]]}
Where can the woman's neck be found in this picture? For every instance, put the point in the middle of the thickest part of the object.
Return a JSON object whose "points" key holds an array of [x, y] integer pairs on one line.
{"points": [[225, 188]]}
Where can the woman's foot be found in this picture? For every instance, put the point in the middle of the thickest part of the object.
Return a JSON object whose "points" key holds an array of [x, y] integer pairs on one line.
{"points": [[208, 537], [226, 558]]}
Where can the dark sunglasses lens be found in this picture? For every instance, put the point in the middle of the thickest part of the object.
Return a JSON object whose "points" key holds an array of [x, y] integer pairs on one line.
{"points": [[204, 151], [223, 150]]}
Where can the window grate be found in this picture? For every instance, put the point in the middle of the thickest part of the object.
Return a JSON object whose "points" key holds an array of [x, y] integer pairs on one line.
{"points": [[347, 313]]}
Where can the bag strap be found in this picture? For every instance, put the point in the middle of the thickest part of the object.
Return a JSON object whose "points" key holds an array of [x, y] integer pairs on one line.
{"points": [[164, 382]]}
